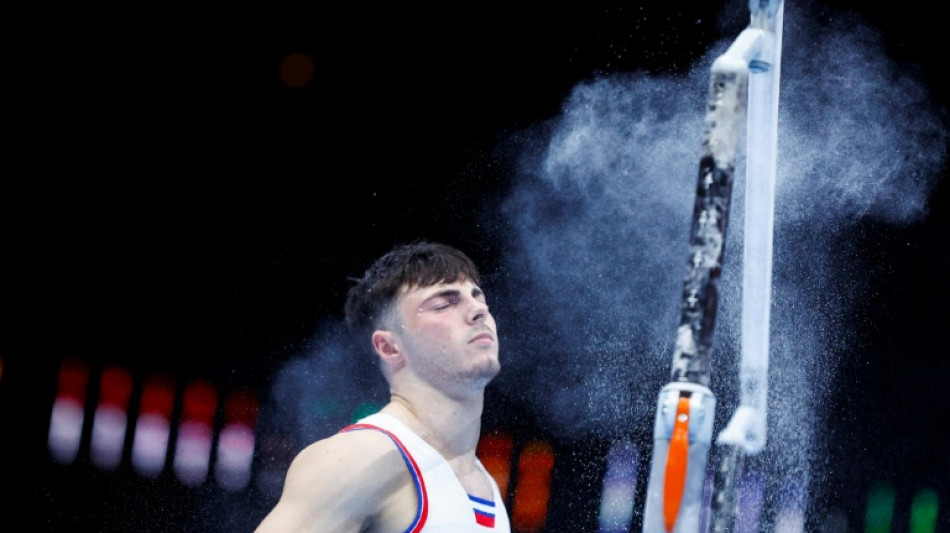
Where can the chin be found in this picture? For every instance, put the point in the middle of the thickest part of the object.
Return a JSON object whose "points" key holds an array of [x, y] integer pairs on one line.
{"points": [[486, 371], [493, 370]]}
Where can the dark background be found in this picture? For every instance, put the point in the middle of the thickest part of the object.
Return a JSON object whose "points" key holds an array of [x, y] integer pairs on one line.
{"points": [[171, 205]]}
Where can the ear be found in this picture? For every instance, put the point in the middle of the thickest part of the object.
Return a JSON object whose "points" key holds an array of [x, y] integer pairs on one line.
{"points": [[386, 345]]}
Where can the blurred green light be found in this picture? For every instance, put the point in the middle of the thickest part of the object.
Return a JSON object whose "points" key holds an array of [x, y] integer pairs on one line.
{"points": [[364, 409], [880, 510], [923, 512]]}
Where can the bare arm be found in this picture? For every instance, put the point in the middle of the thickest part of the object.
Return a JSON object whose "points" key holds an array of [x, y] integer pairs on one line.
{"points": [[350, 482]]}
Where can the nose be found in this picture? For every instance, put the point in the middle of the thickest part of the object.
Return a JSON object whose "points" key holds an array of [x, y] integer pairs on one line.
{"points": [[478, 312]]}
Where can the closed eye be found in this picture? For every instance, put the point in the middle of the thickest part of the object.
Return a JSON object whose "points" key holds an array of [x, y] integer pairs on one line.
{"points": [[450, 298], [444, 300]]}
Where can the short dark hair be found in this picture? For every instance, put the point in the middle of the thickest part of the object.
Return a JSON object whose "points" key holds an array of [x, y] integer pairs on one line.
{"points": [[417, 264]]}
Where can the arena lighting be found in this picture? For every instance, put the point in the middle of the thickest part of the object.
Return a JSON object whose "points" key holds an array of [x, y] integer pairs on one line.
{"points": [[790, 520], [68, 414], [110, 420], [152, 427], [296, 70], [879, 513], [195, 433], [533, 489], [791, 498], [494, 451], [235, 451], [619, 488], [923, 511], [364, 409], [530, 492], [751, 500]]}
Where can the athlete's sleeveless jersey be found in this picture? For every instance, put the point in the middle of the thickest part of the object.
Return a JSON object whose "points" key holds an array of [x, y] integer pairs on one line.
{"points": [[444, 506]]}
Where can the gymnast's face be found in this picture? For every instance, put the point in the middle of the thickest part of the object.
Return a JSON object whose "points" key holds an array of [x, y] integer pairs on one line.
{"points": [[446, 334]]}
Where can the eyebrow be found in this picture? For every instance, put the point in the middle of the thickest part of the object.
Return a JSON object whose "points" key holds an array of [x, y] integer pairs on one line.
{"points": [[447, 293]]}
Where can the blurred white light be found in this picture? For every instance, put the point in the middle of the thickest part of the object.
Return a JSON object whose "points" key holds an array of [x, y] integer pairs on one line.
{"points": [[65, 429], [235, 453], [108, 437], [619, 488], [193, 452], [150, 444]]}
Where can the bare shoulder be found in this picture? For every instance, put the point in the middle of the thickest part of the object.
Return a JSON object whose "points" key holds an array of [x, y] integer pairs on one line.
{"points": [[350, 454], [341, 483]]}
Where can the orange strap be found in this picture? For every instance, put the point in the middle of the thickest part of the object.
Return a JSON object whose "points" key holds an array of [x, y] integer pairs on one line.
{"points": [[677, 460]]}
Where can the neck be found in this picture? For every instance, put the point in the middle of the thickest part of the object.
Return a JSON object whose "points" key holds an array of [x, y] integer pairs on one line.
{"points": [[449, 425]]}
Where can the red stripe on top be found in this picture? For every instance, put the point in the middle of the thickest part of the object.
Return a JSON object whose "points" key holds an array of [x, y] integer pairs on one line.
{"points": [[416, 473]]}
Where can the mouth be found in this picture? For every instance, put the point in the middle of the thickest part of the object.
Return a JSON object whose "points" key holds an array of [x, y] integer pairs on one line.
{"points": [[482, 338]]}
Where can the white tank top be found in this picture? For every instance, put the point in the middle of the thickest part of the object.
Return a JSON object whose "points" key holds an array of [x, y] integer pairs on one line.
{"points": [[444, 506]]}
